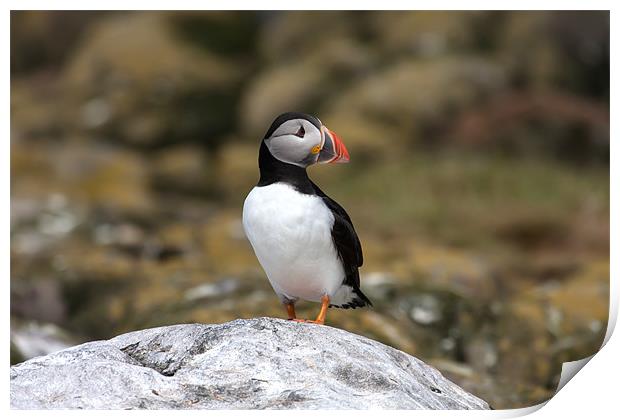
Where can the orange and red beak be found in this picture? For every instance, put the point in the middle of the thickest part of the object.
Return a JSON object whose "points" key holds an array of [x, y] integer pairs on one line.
{"points": [[333, 149]]}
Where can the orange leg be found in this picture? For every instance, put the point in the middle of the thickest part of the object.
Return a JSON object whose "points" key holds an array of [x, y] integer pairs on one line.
{"points": [[290, 310], [320, 319]]}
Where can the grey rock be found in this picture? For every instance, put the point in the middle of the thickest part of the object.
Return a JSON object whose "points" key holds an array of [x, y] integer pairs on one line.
{"points": [[262, 363]]}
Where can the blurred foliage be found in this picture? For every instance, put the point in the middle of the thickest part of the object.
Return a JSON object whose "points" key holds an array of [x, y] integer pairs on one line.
{"points": [[479, 180]]}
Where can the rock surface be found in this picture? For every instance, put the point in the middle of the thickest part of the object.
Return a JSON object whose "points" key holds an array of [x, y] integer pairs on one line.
{"points": [[244, 364]]}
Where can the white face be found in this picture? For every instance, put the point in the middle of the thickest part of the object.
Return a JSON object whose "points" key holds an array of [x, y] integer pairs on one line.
{"points": [[297, 142]]}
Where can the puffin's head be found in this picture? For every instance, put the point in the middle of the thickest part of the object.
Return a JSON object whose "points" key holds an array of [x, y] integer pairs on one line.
{"points": [[302, 140]]}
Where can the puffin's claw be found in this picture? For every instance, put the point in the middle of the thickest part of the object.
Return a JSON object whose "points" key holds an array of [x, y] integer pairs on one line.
{"points": [[307, 321]]}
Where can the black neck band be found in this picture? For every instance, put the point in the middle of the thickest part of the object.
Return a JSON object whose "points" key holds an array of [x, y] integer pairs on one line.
{"points": [[272, 170]]}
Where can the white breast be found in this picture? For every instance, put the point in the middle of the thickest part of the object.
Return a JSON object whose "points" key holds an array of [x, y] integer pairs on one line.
{"points": [[291, 236]]}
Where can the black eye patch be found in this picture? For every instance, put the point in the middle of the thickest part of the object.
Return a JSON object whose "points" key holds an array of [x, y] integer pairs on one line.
{"points": [[301, 132]]}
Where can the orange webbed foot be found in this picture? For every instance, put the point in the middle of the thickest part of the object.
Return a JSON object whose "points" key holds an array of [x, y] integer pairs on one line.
{"points": [[320, 319]]}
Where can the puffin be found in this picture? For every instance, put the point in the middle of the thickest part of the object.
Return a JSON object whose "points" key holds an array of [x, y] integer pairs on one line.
{"points": [[303, 239]]}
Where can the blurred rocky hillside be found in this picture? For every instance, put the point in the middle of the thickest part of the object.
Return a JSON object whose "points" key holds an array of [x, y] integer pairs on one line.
{"points": [[478, 182]]}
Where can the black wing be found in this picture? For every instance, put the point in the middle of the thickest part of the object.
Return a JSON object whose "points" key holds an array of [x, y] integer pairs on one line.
{"points": [[348, 246]]}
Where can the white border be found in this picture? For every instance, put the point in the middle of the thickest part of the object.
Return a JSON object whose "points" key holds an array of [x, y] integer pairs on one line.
{"points": [[313, 5], [593, 392]]}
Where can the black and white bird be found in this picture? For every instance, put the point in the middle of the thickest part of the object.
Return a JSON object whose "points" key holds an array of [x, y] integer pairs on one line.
{"points": [[303, 239]]}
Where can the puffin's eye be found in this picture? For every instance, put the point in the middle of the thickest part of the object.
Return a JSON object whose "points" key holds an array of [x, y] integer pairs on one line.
{"points": [[301, 132]]}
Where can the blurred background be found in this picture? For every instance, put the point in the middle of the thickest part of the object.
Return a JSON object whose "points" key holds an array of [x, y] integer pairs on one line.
{"points": [[478, 182]]}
